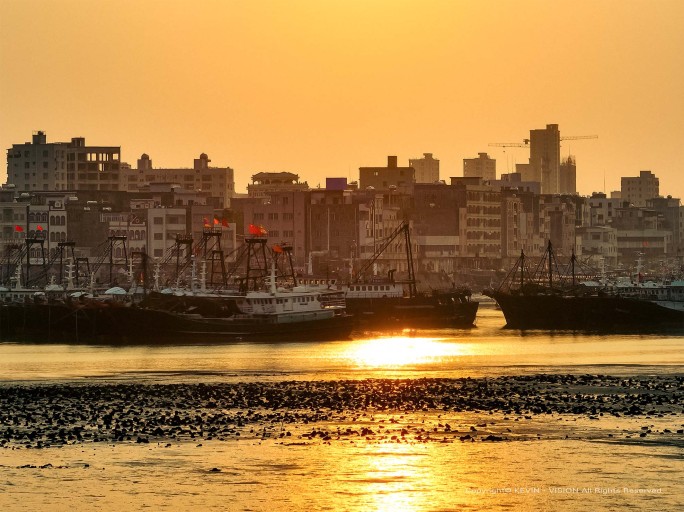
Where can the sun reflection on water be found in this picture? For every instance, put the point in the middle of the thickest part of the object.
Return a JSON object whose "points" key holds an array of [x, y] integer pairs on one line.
{"points": [[402, 351], [393, 478]]}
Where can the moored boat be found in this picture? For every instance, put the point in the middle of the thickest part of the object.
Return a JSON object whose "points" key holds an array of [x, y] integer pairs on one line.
{"points": [[390, 303], [275, 314], [548, 299]]}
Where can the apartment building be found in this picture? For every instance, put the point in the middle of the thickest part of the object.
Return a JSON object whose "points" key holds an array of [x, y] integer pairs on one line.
{"points": [[479, 223], [426, 168], [215, 182], [638, 190], [391, 176], [38, 165], [483, 167]]}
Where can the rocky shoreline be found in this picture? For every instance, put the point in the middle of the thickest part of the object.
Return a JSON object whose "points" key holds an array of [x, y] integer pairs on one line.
{"points": [[50, 415]]}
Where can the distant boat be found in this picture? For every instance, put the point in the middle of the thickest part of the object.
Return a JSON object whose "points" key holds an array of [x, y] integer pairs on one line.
{"points": [[389, 303], [547, 299]]}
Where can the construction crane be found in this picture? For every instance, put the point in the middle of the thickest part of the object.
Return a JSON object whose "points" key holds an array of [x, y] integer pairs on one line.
{"points": [[511, 144], [526, 142]]}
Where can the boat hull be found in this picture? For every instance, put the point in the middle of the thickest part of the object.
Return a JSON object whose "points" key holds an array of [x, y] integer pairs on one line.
{"points": [[63, 322], [407, 313], [591, 312]]}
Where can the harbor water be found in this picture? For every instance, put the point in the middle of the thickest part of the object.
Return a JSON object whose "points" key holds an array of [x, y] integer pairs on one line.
{"points": [[410, 458]]}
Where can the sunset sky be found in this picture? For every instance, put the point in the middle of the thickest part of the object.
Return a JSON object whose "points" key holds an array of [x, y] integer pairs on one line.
{"points": [[321, 88]]}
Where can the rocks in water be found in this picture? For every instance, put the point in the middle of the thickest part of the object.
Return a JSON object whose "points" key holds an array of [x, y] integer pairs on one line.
{"points": [[38, 416]]}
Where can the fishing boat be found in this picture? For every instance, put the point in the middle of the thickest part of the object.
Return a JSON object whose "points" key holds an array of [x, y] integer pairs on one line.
{"points": [[550, 296], [191, 315], [388, 302]]}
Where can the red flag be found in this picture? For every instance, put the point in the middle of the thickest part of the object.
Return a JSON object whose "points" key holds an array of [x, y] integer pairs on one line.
{"points": [[18, 229], [206, 222], [224, 222], [216, 221], [254, 230], [39, 228], [277, 248]]}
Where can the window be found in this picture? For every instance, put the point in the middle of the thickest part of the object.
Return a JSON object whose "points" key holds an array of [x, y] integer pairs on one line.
{"points": [[158, 221], [159, 236]]}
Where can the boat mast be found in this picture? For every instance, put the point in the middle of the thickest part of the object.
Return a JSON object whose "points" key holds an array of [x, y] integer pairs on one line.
{"points": [[522, 269], [572, 261], [409, 258], [550, 251], [288, 250]]}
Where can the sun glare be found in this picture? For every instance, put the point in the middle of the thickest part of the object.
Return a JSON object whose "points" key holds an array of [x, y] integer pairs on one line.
{"points": [[401, 351]]}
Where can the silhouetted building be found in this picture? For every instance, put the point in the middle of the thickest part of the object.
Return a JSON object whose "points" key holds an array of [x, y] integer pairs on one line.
{"points": [[481, 167], [264, 183], [599, 245], [92, 167], [544, 164], [568, 176], [37, 165], [637, 190], [384, 178], [426, 168], [479, 223], [671, 210], [512, 181], [218, 182]]}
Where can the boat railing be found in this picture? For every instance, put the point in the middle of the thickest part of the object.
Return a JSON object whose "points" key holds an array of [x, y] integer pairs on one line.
{"points": [[333, 302]]}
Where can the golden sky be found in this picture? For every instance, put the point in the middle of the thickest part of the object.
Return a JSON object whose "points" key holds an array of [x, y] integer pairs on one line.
{"points": [[322, 87]]}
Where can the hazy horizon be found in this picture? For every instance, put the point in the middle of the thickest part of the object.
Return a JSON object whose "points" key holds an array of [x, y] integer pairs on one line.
{"points": [[323, 88]]}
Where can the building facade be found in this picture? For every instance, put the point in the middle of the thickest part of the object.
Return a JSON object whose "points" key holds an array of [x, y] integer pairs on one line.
{"points": [[426, 168], [385, 178], [38, 165], [264, 183], [639, 189], [92, 167], [481, 167], [545, 159], [217, 182], [568, 176]]}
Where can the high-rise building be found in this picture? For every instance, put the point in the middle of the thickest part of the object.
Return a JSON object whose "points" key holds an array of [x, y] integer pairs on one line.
{"points": [[481, 167], [38, 165], [426, 168], [637, 190], [568, 176], [479, 222], [545, 159]]}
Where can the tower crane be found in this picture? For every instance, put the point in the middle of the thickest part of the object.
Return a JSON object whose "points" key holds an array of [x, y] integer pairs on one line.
{"points": [[511, 144], [526, 142]]}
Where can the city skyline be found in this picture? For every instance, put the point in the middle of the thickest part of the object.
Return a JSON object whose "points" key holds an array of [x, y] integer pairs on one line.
{"points": [[323, 89]]}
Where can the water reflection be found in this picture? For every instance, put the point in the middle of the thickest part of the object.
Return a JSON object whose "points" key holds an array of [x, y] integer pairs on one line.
{"points": [[393, 477], [400, 351]]}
